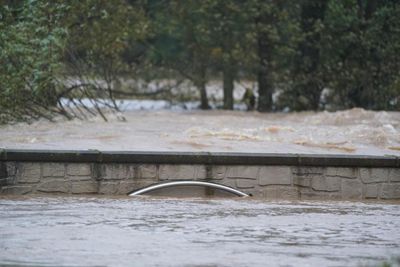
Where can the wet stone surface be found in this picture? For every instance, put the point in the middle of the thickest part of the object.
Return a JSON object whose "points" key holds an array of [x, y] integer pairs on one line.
{"points": [[149, 231]]}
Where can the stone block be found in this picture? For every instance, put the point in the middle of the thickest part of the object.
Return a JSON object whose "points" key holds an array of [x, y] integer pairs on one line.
{"points": [[54, 186], [8, 181], [307, 193], [148, 171], [11, 168], [117, 171], [394, 175], [218, 172], [28, 172], [258, 192], [3, 170], [3, 175], [245, 183], [304, 181], [228, 182], [307, 170], [3, 182], [17, 189], [328, 184], [281, 192], [125, 187], [7, 170], [53, 170], [371, 190], [79, 169], [390, 191], [374, 175], [349, 173], [351, 189], [84, 187], [188, 191], [79, 178], [182, 172], [275, 175], [108, 188], [246, 172], [12, 180]]}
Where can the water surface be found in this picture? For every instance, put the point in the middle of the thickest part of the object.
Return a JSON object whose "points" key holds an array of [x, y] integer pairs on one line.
{"points": [[356, 131], [94, 231]]}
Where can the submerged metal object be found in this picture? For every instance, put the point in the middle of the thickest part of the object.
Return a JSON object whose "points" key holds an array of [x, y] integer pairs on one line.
{"points": [[188, 183]]}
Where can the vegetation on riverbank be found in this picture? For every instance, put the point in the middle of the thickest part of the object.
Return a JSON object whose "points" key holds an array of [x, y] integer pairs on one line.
{"points": [[317, 54]]}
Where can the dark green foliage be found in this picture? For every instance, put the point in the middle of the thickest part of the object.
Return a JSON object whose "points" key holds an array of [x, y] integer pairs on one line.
{"points": [[32, 40], [362, 40], [307, 69], [350, 49], [347, 50], [51, 50]]}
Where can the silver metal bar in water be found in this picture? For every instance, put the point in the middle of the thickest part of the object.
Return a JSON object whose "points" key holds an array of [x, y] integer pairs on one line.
{"points": [[188, 183]]}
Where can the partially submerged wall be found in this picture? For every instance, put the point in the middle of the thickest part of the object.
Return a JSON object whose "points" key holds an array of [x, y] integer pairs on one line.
{"points": [[263, 175]]}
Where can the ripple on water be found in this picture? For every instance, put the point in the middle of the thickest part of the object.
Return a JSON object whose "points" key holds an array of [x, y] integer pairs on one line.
{"points": [[77, 231]]}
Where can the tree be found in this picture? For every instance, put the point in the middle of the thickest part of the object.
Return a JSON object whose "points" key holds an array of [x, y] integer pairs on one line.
{"points": [[361, 44], [272, 30], [265, 46], [307, 72], [98, 34], [181, 41], [32, 40], [52, 51], [229, 27]]}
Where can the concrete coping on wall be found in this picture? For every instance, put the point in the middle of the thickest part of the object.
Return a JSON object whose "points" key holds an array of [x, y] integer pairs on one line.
{"points": [[209, 158]]}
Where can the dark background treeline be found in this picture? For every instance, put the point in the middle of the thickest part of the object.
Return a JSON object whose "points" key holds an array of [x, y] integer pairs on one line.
{"points": [[318, 54]]}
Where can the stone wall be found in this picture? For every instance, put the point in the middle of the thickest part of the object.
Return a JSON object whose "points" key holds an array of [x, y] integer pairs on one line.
{"points": [[275, 181]]}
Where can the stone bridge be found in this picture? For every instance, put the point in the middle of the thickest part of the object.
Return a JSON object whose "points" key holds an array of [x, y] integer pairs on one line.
{"points": [[272, 176]]}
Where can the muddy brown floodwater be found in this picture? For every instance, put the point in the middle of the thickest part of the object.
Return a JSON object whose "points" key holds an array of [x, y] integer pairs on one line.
{"points": [[355, 131], [149, 231]]}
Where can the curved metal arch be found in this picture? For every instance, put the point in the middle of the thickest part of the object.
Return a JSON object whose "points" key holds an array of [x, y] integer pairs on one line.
{"points": [[187, 183]]}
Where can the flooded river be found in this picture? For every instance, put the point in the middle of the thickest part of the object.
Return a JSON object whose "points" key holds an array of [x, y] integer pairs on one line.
{"points": [[149, 231], [355, 131]]}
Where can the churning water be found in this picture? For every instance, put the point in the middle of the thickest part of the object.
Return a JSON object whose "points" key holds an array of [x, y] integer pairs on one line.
{"points": [[355, 131], [144, 231]]}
